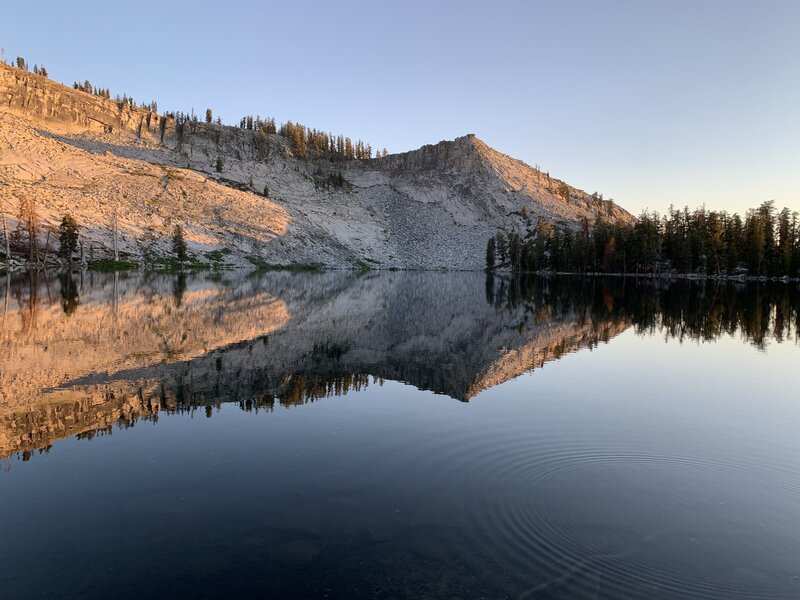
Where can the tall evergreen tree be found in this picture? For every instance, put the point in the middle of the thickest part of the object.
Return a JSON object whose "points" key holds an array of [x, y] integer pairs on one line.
{"points": [[179, 244], [68, 237], [490, 254]]}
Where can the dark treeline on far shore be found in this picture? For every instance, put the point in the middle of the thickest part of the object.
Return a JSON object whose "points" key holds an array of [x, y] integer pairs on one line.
{"points": [[683, 308], [766, 242]]}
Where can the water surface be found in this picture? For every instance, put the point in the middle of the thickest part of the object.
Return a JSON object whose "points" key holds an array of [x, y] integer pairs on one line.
{"points": [[398, 435]]}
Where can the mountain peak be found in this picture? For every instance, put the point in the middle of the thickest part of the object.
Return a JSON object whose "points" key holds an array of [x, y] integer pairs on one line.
{"points": [[255, 196]]}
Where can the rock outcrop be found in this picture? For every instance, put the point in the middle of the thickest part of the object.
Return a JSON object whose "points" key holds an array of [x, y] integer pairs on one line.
{"points": [[49, 102]]}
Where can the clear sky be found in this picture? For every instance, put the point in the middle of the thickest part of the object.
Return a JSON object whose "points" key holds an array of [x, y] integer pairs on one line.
{"points": [[649, 103]]}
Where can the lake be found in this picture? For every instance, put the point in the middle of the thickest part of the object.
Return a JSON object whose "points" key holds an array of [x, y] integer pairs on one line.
{"points": [[398, 435]]}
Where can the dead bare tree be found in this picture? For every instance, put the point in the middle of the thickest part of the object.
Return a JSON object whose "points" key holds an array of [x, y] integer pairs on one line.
{"points": [[28, 222]]}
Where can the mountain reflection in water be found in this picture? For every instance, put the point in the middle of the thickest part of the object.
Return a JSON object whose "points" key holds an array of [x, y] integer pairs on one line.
{"points": [[84, 354]]}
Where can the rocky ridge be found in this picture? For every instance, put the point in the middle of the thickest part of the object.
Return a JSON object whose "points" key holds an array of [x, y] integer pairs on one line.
{"points": [[429, 208]]}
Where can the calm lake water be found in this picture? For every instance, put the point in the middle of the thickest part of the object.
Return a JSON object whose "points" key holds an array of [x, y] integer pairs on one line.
{"points": [[398, 435]]}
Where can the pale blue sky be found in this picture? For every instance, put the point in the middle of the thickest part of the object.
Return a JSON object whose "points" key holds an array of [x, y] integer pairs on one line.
{"points": [[647, 102]]}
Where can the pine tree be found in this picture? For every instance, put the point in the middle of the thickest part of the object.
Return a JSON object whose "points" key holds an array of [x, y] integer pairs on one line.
{"points": [[500, 246], [179, 244], [209, 116], [490, 254], [68, 237]]}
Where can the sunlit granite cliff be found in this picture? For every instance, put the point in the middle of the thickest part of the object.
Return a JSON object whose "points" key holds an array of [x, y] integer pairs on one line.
{"points": [[247, 195]]}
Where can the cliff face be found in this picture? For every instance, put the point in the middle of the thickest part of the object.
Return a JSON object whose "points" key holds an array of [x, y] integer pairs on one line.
{"points": [[430, 208], [46, 100]]}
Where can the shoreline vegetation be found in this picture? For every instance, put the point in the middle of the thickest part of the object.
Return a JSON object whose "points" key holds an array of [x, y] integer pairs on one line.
{"points": [[259, 266], [648, 275], [765, 244], [167, 265], [30, 257]]}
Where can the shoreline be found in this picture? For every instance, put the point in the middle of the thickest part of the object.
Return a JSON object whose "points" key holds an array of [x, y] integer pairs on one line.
{"points": [[670, 276], [168, 267]]}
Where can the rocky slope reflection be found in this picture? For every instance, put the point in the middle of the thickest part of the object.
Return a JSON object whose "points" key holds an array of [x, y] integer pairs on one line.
{"points": [[81, 355]]}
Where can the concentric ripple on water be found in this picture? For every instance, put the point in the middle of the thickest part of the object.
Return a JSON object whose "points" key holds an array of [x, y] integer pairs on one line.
{"points": [[561, 518]]}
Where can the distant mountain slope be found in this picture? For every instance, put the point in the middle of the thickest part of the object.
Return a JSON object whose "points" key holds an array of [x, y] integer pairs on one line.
{"points": [[428, 208]]}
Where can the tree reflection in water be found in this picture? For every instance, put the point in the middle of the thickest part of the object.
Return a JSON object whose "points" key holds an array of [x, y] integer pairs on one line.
{"points": [[288, 340]]}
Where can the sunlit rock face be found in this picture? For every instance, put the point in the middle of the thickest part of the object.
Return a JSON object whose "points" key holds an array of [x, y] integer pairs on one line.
{"points": [[433, 207], [81, 356], [46, 100]]}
